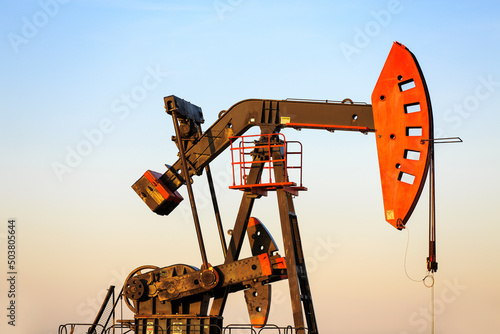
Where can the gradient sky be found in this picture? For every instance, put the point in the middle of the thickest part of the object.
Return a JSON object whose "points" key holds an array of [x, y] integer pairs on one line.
{"points": [[82, 119]]}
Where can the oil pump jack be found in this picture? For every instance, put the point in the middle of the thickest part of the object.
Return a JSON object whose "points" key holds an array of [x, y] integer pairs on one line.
{"points": [[176, 298]]}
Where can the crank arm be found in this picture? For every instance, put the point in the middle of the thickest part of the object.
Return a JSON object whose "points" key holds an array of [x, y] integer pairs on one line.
{"points": [[234, 274]]}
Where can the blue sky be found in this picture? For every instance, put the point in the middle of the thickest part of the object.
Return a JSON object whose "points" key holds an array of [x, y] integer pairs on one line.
{"points": [[82, 118]]}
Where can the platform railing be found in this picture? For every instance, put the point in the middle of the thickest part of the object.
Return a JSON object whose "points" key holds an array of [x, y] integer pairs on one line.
{"points": [[80, 328]]}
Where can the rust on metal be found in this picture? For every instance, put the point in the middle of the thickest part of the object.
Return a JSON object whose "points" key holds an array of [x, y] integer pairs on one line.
{"points": [[258, 300], [176, 298]]}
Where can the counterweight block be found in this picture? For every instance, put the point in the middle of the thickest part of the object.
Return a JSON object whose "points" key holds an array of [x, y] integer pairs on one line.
{"points": [[157, 196]]}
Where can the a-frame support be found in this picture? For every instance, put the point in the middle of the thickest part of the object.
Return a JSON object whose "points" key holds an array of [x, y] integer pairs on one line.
{"points": [[300, 293]]}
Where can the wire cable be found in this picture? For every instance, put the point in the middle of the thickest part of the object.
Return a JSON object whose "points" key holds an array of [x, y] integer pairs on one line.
{"points": [[428, 281], [406, 255], [431, 285], [432, 306]]}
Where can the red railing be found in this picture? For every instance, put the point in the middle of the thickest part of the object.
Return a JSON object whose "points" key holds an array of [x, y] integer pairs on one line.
{"points": [[243, 158]]}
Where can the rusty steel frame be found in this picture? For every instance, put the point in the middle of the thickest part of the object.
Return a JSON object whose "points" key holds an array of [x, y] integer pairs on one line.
{"points": [[391, 102]]}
